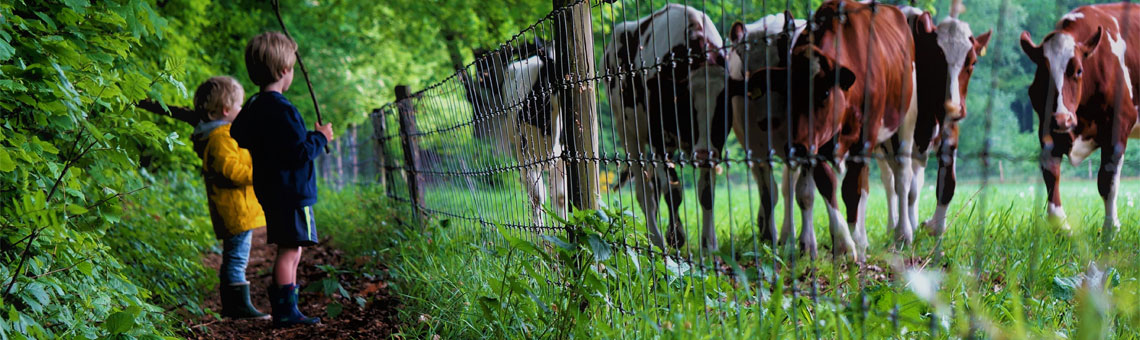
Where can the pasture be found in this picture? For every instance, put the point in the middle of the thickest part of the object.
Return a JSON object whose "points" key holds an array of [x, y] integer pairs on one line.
{"points": [[1000, 269]]}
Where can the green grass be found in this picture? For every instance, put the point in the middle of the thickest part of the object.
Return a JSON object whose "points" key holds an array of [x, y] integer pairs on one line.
{"points": [[461, 280]]}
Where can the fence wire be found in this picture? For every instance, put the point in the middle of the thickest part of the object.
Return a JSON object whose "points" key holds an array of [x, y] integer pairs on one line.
{"points": [[690, 131]]}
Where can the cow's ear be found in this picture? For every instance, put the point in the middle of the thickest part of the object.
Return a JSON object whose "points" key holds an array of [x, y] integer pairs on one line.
{"points": [[737, 32], [1093, 41], [980, 43], [1031, 49], [925, 23]]}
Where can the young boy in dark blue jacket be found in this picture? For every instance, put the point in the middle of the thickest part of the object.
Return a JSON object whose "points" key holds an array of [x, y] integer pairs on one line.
{"points": [[284, 178]]}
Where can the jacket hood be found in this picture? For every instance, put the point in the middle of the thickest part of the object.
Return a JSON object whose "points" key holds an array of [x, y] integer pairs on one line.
{"points": [[202, 131]]}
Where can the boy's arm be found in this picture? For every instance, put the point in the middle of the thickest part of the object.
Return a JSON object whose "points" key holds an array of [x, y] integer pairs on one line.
{"points": [[230, 162], [301, 144]]}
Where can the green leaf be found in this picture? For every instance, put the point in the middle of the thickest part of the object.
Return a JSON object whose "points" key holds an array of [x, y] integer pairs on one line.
{"points": [[1064, 288], [6, 162], [79, 6], [74, 209], [84, 267], [558, 242], [6, 50], [120, 322], [599, 247], [333, 310]]}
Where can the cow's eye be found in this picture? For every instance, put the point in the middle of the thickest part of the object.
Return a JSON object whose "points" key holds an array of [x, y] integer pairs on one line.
{"points": [[826, 93], [1080, 72]]}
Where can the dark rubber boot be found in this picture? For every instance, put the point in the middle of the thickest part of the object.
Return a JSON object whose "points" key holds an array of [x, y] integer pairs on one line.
{"points": [[236, 304], [285, 313]]}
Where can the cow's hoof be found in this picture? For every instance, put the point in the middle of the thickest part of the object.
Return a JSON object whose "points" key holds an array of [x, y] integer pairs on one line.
{"points": [[1109, 230], [810, 247], [675, 238], [935, 227], [1060, 223], [904, 236]]}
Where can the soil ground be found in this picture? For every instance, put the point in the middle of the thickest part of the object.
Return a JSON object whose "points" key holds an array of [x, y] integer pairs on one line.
{"points": [[375, 320]]}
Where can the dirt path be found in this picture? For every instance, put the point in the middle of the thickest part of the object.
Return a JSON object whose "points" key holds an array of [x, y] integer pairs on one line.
{"points": [[376, 320]]}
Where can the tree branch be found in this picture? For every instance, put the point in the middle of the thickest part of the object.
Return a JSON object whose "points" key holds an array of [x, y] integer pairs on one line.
{"points": [[62, 269], [183, 114]]}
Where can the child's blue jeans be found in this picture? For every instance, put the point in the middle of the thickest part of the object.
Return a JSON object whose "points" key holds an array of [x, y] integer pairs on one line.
{"points": [[235, 256]]}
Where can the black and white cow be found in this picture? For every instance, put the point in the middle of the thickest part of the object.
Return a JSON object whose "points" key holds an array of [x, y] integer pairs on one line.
{"points": [[944, 61], [516, 98], [759, 117], [679, 106]]}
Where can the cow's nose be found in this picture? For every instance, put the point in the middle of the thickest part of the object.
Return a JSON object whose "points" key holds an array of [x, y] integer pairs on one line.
{"points": [[702, 156], [954, 111], [796, 151], [1064, 122]]}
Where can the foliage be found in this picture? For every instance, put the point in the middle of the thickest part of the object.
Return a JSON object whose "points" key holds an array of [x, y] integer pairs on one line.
{"points": [[72, 150]]}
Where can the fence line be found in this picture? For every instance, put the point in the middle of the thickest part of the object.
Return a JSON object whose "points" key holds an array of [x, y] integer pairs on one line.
{"points": [[483, 147]]}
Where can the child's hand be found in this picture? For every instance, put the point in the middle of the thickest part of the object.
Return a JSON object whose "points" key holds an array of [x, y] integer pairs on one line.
{"points": [[325, 130]]}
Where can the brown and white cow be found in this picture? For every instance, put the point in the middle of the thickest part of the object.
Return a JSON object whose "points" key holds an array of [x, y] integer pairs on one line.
{"points": [[667, 95], [851, 91], [1084, 97], [758, 116], [945, 56]]}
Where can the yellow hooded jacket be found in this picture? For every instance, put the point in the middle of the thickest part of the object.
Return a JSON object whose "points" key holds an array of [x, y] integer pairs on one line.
{"points": [[228, 173]]}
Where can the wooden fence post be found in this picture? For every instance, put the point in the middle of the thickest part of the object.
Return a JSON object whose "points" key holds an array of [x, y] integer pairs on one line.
{"points": [[408, 133], [574, 45], [353, 154], [380, 150]]}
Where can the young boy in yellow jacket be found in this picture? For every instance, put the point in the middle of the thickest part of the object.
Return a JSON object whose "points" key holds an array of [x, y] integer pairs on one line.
{"points": [[228, 172]]}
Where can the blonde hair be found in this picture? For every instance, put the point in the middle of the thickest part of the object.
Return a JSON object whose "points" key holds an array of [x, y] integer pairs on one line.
{"points": [[215, 95], [267, 55]]}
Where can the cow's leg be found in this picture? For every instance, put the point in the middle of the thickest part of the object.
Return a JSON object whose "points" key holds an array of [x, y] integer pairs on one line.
{"points": [[536, 191], [888, 179], [919, 169], [856, 185], [947, 178], [670, 182], [805, 197], [764, 219], [1112, 158], [558, 187], [1051, 172], [645, 185], [706, 186], [901, 166], [791, 182]]}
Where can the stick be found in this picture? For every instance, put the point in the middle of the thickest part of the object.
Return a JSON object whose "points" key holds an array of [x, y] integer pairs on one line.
{"points": [[312, 94]]}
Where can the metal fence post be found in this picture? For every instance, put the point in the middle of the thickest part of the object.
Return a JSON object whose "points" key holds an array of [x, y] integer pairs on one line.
{"points": [[574, 44], [408, 132]]}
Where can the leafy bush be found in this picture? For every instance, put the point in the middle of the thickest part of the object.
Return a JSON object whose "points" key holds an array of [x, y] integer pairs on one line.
{"points": [[72, 149]]}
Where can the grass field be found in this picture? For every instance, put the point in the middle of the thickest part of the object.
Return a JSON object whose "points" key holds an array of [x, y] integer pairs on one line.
{"points": [[1002, 272]]}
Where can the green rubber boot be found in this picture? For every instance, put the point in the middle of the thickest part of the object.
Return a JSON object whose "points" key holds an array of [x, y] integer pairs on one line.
{"points": [[236, 304], [284, 302]]}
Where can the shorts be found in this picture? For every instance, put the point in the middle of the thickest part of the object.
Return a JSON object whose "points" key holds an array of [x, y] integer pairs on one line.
{"points": [[291, 227]]}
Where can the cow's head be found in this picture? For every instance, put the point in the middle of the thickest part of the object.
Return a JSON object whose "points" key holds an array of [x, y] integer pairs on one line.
{"points": [[947, 55], [761, 44], [710, 105], [1056, 89], [817, 85], [490, 68]]}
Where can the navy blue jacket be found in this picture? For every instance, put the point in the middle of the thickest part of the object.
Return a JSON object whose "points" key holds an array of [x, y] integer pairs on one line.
{"points": [[283, 151]]}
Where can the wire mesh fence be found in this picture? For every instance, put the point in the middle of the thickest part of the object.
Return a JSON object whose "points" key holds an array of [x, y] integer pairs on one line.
{"points": [[707, 135]]}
